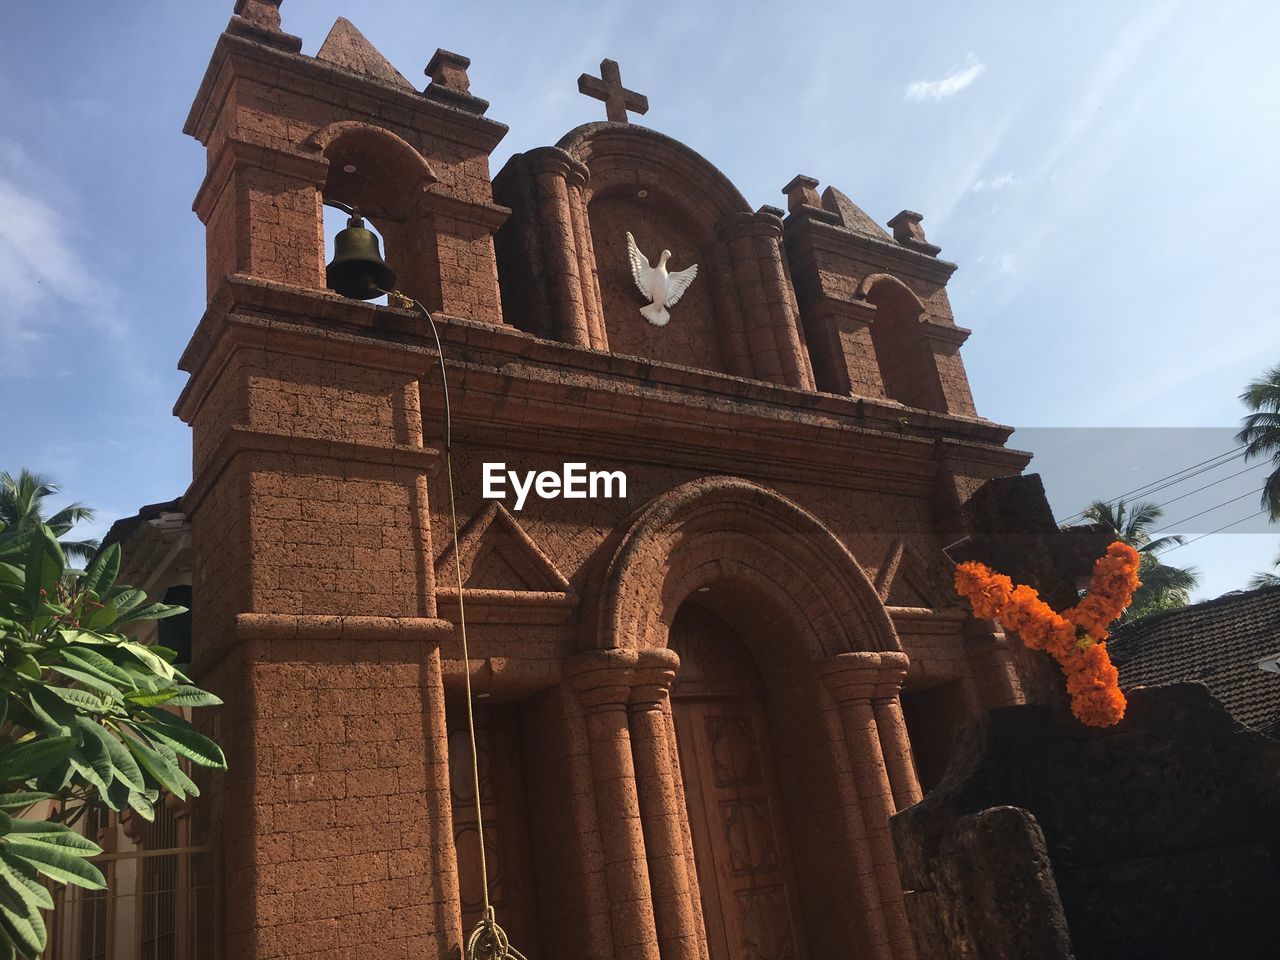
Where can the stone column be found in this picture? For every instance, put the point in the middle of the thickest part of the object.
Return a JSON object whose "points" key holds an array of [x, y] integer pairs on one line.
{"points": [[672, 877], [552, 169], [895, 744], [767, 300], [603, 681], [578, 178], [855, 679]]}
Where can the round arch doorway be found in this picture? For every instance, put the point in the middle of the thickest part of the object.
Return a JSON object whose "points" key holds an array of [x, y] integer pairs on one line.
{"points": [[746, 873]]}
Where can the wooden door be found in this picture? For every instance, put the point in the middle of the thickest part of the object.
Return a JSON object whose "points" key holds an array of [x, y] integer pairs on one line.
{"points": [[745, 872]]}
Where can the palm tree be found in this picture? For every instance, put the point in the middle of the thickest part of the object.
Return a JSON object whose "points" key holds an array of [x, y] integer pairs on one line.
{"points": [[1164, 587], [1266, 578], [22, 505], [1261, 432]]}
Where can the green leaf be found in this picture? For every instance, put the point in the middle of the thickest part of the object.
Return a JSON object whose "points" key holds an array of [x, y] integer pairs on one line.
{"points": [[89, 772], [16, 544], [82, 699], [22, 877], [22, 799], [143, 807], [148, 658], [57, 862], [109, 690], [26, 665], [184, 740], [100, 666], [127, 599], [146, 698], [101, 575], [164, 771], [188, 696], [126, 768], [152, 611], [21, 762], [56, 834], [45, 566], [51, 714], [21, 921]]}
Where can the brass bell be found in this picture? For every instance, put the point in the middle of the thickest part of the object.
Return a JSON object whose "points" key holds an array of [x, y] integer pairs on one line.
{"points": [[357, 269]]}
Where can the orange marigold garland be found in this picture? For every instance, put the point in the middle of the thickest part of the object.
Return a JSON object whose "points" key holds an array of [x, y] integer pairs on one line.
{"points": [[1076, 638]]}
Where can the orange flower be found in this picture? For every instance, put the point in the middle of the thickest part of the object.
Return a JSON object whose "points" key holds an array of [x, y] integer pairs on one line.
{"points": [[1076, 637]]}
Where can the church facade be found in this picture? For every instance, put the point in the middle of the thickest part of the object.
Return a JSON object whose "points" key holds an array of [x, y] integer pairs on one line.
{"points": [[698, 704]]}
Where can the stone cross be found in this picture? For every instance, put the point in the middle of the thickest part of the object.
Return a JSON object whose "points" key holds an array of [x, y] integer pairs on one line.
{"points": [[608, 87]]}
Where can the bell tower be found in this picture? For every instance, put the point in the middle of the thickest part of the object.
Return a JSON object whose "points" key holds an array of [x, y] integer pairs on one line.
{"points": [[314, 596]]}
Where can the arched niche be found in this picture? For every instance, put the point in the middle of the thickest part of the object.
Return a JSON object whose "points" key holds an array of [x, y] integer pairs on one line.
{"points": [[756, 596], [386, 179], [761, 559], [739, 315], [903, 353], [668, 197]]}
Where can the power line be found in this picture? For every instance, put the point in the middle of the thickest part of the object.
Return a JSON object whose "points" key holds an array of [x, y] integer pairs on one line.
{"points": [[1264, 463], [1177, 523], [1186, 473], [1225, 526]]}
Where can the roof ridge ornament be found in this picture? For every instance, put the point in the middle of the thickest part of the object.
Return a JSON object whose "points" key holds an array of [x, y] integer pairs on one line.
{"points": [[259, 20], [608, 87]]}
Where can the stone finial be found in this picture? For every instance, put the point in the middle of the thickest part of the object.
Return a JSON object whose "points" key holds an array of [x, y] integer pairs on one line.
{"points": [[802, 191], [347, 47], [449, 70], [908, 232], [608, 87], [260, 20], [450, 83], [264, 14]]}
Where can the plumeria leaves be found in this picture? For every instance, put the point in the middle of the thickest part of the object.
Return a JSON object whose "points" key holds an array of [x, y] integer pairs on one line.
{"points": [[89, 716]]}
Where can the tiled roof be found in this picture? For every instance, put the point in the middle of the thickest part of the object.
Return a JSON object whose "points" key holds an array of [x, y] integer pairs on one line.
{"points": [[1219, 643]]}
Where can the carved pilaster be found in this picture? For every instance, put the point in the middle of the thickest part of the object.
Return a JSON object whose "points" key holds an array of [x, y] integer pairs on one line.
{"points": [[603, 682], [769, 307], [676, 902], [553, 169], [855, 681]]}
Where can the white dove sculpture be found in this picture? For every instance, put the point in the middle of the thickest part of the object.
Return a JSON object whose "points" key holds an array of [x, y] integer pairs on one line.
{"points": [[661, 287]]}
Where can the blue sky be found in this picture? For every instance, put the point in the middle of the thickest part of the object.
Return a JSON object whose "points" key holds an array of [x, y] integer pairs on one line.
{"points": [[1103, 174]]}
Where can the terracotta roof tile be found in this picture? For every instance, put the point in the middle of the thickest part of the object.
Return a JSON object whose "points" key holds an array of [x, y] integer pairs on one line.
{"points": [[1219, 643]]}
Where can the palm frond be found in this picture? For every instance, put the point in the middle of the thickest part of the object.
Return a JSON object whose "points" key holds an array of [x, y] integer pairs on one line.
{"points": [[1163, 578], [1263, 393], [1162, 543], [1260, 433], [1264, 580], [1271, 495]]}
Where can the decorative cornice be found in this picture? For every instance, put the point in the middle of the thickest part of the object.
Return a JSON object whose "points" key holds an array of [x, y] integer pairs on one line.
{"points": [[242, 439], [279, 626], [886, 253], [865, 675], [235, 154], [307, 76]]}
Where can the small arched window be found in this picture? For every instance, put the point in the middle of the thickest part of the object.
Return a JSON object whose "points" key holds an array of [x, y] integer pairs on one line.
{"points": [[903, 354]]}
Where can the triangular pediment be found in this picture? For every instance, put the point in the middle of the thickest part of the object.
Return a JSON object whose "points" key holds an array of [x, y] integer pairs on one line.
{"points": [[348, 48], [905, 580], [497, 554]]}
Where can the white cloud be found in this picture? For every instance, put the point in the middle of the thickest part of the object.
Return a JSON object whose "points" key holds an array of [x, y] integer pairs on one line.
{"points": [[43, 275], [948, 86], [987, 184]]}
